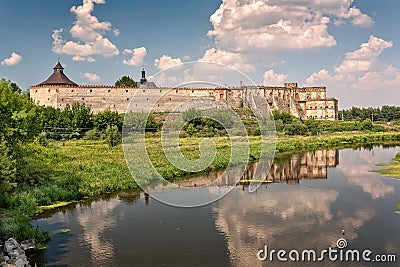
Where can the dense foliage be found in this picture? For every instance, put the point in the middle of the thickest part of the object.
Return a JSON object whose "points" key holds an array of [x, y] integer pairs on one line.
{"points": [[126, 81], [287, 124], [383, 114], [71, 122], [20, 124]]}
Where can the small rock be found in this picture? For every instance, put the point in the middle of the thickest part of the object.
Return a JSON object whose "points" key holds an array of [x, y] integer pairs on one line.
{"points": [[10, 244], [16, 252], [28, 244]]}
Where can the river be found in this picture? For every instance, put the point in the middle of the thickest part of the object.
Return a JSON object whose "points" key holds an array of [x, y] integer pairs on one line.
{"points": [[315, 199]]}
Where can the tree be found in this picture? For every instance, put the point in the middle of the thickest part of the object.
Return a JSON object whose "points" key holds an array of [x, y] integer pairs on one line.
{"points": [[113, 136], [126, 81], [137, 121], [285, 117], [20, 123], [16, 88], [107, 118], [7, 167], [18, 115]]}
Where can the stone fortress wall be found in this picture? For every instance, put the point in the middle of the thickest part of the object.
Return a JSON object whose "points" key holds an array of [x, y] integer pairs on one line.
{"points": [[305, 102]]}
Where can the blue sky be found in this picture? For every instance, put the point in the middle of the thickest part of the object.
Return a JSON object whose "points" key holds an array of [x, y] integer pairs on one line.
{"points": [[352, 47]]}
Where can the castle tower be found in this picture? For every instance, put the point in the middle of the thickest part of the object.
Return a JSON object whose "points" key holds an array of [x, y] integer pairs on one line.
{"points": [[58, 77]]}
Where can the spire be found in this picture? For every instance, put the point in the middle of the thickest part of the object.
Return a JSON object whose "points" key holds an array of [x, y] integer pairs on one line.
{"points": [[58, 67], [143, 80]]}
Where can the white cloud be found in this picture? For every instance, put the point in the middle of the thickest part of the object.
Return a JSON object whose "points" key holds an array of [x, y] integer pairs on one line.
{"points": [[231, 59], [356, 16], [243, 25], [116, 32], [92, 77], [362, 70], [14, 59], [78, 58], [271, 78], [166, 62], [137, 58], [318, 78], [88, 33], [365, 58]]}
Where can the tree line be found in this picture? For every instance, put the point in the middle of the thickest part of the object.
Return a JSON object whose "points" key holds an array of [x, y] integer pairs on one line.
{"points": [[382, 114]]}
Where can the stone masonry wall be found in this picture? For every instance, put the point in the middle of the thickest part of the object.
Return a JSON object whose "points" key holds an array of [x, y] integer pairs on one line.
{"points": [[306, 102]]}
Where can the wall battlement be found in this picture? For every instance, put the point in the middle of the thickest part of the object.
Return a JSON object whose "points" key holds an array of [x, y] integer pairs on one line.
{"points": [[306, 102]]}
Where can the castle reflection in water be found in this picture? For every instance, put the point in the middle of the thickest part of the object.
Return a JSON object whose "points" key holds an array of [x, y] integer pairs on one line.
{"points": [[309, 165]]}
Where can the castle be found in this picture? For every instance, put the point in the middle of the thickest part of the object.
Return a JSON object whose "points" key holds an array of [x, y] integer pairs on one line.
{"points": [[306, 102]]}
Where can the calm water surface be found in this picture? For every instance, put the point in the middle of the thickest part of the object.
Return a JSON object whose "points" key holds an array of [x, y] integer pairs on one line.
{"points": [[314, 196]]}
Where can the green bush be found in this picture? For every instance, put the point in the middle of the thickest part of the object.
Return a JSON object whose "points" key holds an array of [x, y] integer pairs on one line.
{"points": [[113, 136], [366, 125], [7, 167], [92, 135], [296, 128], [107, 118], [193, 116]]}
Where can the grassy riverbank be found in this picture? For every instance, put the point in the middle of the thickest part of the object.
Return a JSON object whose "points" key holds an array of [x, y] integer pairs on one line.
{"points": [[78, 169], [393, 168]]}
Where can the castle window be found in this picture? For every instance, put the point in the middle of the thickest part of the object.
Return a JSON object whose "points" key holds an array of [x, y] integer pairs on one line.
{"points": [[192, 91], [83, 98], [158, 105], [127, 99], [160, 91], [48, 90], [109, 90], [170, 99], [35, 91], [90, 90], [127, 91], [114, 105], [72, 90], [104, 98], [176, 91], [48, 99], [62, 99], [144, 91]]}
